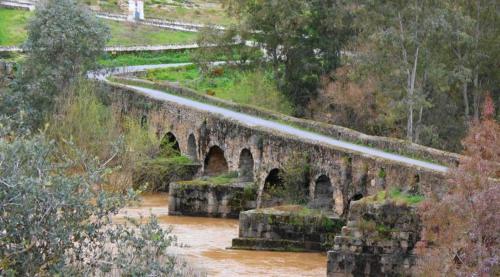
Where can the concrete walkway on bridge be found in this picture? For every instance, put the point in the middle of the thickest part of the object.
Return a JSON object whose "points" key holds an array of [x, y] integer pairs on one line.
{"points": [[254, 121]]}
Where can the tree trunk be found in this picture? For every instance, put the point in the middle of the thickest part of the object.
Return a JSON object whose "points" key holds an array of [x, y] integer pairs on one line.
{"points": [[476, 71], [411, 92], [466, 102], [476, 98], [419, 125]]}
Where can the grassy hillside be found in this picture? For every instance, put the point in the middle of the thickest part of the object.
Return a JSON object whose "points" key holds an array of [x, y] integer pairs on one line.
{"points": [[254, 87], [197, 11], [13, 32], [12, 26], [124, 33]]}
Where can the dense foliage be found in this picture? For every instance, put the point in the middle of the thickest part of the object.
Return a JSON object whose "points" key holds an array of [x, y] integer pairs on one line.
{"points": [[60, 187], [302, 39], [462, 228], [64, 41], [420, 70], [55, 218]]}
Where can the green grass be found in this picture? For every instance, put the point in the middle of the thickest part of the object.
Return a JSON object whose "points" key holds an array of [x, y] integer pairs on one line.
{"points": [[124, 33], [394, 195], [202, 13], [299, 210], [13, 31], [253, 87], [223, 179], [146, 58], [12, 26]]}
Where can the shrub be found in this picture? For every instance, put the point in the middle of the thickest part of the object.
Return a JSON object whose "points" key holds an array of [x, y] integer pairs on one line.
{"points": [[55, 220], [100, 130], [295, 176]]}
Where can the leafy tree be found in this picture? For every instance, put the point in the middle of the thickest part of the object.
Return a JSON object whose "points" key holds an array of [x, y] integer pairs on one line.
{"points": [[55, 219], [64, 41], [229, 45], [462, 228], [425, 95], [472, 32], [302, 40], [402, 35]]}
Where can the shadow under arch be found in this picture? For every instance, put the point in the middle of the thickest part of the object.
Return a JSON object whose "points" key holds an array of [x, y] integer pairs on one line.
{"points": [[246, 165], [323, 193], [215, 163], [192, 149], [168, 142]]}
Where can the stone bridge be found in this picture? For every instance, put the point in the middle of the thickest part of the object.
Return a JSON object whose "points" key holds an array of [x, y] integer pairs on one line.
{"points": [[221, 144]]}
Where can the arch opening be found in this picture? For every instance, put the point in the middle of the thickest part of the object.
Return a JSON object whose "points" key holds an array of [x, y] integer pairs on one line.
{"points": [[246, 165], [323, 193], [215, 162], [170, 144], [272, 194], [192, 150], [273, 179], [356, 197]]}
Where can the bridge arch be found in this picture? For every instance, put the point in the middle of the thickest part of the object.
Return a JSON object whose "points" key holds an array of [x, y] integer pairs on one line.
{"points": [[170, 141], [192, 150], [273, 179], [323, 193], [273, 184], [246, 165], [215, 162]]}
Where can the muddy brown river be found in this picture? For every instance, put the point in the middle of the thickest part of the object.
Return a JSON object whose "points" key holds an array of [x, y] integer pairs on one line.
{"points": [[207, 240]]}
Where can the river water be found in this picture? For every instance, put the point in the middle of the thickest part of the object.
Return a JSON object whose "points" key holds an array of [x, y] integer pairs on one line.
{"points": [[207, 240]]}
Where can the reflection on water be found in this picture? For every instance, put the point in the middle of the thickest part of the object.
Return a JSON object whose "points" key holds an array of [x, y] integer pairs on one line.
{"points": [[208, 238]]}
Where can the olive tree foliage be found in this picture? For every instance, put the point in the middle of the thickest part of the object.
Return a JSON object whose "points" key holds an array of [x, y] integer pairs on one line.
{"points": [[64, 41], [56, 219]]}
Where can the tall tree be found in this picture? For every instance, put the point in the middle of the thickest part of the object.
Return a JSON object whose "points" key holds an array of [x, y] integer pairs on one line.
{"points": [[64, 41], [302, 39], [469, 35], [401, 36]]}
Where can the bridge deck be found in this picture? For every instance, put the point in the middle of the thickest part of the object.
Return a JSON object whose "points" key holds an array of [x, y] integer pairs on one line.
{"points": [[254, 121]]}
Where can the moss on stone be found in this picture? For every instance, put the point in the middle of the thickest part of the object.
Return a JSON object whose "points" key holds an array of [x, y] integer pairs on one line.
{"points": [[223, 179], [240, 199], [394, 195]]}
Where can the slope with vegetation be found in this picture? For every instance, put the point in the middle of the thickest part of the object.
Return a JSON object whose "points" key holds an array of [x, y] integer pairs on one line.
{"points": [[66, 161], [194, 11], [251, 86], [13, 24], [417, 71]]}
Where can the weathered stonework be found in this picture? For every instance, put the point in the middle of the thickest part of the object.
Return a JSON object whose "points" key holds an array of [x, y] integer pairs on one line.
{"points": [[386, 143], [351, 174], [197, 198], [378, 241], [286, 228]]}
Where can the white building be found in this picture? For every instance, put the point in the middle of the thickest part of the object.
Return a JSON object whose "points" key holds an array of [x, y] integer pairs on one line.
{"points": [[135, 10]]}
